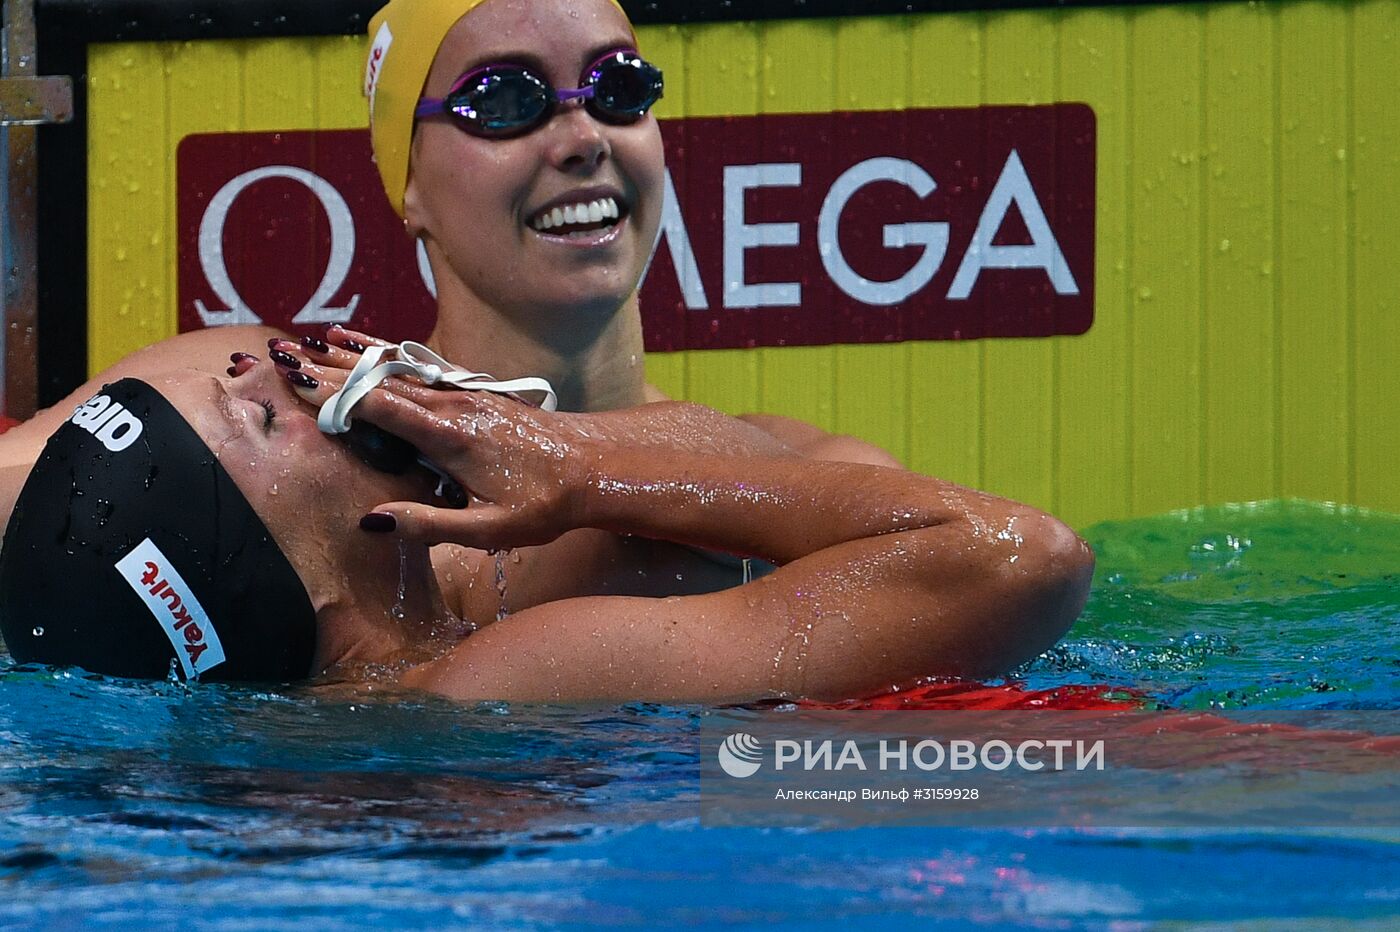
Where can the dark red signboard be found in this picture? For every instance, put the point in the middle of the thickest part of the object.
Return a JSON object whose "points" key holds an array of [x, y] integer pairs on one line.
{"points": [[779, 230]]}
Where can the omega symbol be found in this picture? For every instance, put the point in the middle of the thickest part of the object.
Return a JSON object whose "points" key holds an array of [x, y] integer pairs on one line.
{"points": [[317, 309]]}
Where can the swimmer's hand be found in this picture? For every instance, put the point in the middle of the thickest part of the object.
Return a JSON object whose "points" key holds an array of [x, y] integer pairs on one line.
{"points": [[524, 468]]}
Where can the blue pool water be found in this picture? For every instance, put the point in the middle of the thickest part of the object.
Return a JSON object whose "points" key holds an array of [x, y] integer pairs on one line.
{"points": [[131, 805]]}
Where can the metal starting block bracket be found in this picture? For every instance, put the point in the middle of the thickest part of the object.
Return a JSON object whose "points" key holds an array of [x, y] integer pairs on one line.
{"points": [[27, 101]]}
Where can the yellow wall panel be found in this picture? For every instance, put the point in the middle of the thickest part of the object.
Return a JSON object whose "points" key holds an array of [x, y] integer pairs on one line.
{"points": [[1375, 195], [1313, 292], [1164, 307], [1247, 329], [1092, 418], [278, 85], [131, 194], [1236, 167]]}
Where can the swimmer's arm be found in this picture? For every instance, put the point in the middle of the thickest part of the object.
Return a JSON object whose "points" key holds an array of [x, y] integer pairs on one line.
{"points": [[812, 442], [888, 576]]}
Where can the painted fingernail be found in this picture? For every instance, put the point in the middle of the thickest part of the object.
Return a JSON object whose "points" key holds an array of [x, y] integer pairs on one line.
{"points": [[272, 343], [355, 346], [315, 344], [301, 379], [232, 371], [378, 522], [285, 359], [240, 357]]}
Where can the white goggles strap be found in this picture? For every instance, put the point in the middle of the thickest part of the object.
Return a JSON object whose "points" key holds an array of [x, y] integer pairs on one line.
{"points": [[416, 360]]}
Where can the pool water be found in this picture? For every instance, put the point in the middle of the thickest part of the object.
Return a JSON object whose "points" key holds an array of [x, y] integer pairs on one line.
{"points": [[134, 805]]}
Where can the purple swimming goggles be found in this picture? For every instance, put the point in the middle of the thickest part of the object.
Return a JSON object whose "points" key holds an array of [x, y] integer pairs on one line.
{"points": [[498, 101]]}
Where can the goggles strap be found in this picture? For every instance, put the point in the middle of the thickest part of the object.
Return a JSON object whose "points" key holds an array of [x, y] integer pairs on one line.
{"points": [[378, 363], [414, 359]]}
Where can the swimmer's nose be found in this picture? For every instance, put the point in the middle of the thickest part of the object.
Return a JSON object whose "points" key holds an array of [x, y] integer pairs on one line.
{"points": [[579, 140]]}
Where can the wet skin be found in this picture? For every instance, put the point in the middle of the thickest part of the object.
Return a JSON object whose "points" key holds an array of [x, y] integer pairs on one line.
{"points": [[515, 302], [885, 575]]}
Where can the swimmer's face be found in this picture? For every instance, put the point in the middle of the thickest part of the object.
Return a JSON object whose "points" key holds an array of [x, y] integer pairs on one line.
{"points": [[474, 201], [308, 488]]}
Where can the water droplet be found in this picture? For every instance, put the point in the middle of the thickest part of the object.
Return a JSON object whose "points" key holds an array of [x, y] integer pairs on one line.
{"points": [[397, 610], [503, 611], [38, 631]]}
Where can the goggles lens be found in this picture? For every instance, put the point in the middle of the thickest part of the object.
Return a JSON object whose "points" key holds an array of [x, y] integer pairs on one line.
{"points": [[497, 101]]}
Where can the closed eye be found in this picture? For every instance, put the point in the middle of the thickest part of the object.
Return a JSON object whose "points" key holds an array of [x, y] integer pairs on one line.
{"points": [[269, 413]]}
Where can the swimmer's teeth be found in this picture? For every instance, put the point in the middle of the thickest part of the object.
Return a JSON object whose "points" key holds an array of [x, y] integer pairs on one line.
{"points": [[594, 212]]}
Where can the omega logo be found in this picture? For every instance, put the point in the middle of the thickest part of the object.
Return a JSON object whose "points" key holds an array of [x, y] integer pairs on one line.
{"points": [[1013, 187], [777, 230], [317, 309]]}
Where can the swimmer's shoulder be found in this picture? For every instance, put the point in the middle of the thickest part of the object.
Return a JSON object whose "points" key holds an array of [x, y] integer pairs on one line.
{"points": [[811, 442], [207, 349], [808, 440], [200, 349]]}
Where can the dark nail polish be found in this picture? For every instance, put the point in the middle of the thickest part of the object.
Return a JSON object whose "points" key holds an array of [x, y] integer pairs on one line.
{"points": [[301, 379], [239, 357], [232, 371], [315, 344], [285, 359], [355, 346], [272, 343], [378, 522]]}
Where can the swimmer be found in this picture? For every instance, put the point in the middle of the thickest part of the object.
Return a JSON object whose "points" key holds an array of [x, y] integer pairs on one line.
{"points": [[519, 296], [205, 525], [512, 300]]}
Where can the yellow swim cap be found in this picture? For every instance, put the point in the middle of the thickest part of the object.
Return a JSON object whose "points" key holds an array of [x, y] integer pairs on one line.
{"points": [[404, 38]]}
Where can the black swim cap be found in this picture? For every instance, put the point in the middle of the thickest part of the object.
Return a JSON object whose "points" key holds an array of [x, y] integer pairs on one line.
{"points": [[132, 552]]}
